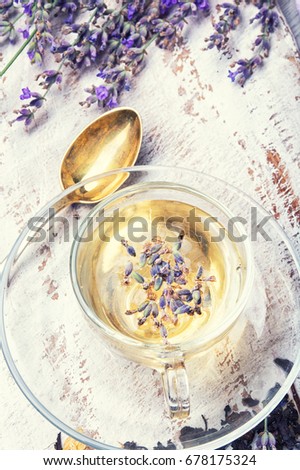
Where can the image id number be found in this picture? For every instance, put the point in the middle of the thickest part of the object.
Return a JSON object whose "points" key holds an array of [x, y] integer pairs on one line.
{"points": [[220, 459]]}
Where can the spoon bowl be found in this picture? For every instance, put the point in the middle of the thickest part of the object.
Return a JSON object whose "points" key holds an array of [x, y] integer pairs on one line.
{"points": [[111, 141]]}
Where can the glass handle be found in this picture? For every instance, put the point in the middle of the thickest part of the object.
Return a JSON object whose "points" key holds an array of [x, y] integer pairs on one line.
{"points": [[176, 388]]}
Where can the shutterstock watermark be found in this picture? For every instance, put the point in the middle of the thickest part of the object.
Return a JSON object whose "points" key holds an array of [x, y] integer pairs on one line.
{"points": [[138, 228]]}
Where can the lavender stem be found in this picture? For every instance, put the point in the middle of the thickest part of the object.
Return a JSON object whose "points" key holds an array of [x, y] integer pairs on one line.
{"points": [[14, 58]]}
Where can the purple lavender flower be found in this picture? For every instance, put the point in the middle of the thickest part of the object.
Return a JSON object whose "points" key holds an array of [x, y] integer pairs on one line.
{"points": [[101, 92], [131, 9], [178, 258], [166, 5], [26, 94], [232, 75], [163, 331], [31, 55], [130, 249], [162, 301], [37, 101], [268, 18], [26, 115], [56, 48], [112, 102], [202, 5], [104, 99], [49, 78], [170, 277], [154, 270], [128, 268], [70, 8], [24, 32], [217, 40], [128, 42], [266, 441], [183, 309], [28, 8], [158, 282], [245, 69]]}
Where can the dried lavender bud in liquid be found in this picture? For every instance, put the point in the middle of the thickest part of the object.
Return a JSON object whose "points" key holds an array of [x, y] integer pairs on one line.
{"points": [[137, 277]]}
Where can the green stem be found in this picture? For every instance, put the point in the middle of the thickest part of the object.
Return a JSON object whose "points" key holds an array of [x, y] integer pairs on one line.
{"points": [[12, 60], [266, 424], [150, 41], [17, 18]]}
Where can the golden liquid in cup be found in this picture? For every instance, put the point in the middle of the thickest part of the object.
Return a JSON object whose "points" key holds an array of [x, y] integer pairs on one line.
{"points": [[100, 268]]}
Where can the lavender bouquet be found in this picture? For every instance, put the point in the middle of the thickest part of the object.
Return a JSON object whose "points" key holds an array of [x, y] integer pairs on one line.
{"points": [[115, 41]]}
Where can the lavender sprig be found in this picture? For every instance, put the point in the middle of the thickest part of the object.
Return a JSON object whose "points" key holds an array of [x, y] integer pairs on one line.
{"points": [[228, 21], [269, 20], [39, 18], [48, 79], [26, 113], [265, 440]]}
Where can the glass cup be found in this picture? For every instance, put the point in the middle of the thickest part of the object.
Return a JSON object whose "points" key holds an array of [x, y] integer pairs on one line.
{"points": [[213, 239]]}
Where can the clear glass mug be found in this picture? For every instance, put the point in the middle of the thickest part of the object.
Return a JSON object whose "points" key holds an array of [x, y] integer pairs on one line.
{"points": [[214, 239]]}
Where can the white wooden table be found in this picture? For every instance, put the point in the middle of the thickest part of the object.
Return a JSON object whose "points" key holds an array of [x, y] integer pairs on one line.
{"points": [[193, 116]]}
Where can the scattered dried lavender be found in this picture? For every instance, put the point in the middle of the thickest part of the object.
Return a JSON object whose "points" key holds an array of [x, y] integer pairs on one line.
{"points": [[84, 33], [236, 418], [166, 298], [188, 433], [249, 401], [58, 443], [280, 430], [131, 445], [170, 446]]}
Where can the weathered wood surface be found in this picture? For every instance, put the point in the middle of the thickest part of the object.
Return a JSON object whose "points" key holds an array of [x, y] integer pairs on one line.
{"points": [[193, 116]]}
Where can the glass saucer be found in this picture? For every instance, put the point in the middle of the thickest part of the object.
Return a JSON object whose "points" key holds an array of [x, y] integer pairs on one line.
{"points": [[56, 357]]}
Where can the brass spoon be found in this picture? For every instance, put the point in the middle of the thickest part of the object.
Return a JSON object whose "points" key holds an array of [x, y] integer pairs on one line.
{"points": [[111, 141]]}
